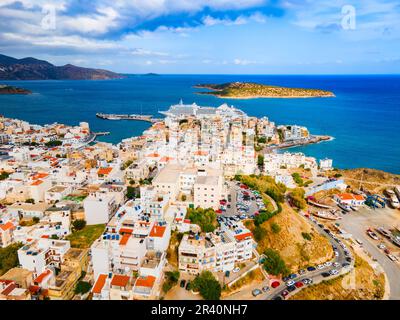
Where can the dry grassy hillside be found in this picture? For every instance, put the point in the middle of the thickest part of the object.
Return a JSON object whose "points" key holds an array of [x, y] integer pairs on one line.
{"points": [[291, 242], [370, 286], [373, 180]]}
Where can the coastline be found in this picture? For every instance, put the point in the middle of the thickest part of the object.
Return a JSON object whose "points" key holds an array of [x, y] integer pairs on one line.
{"points": [[266, 97]]}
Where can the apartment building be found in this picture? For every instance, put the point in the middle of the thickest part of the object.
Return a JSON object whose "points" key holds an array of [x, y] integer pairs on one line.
{"points": [[38, 255], [99, 207]]}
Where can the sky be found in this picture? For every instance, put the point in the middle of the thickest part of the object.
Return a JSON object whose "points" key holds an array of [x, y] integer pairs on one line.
{"points": [[207, 36]]}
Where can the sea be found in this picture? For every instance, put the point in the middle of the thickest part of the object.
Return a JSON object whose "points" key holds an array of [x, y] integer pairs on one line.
{"points": [[363, 118]]}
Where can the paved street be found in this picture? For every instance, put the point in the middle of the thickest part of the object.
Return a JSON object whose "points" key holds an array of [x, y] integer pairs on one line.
{"points": [[316, 275]]}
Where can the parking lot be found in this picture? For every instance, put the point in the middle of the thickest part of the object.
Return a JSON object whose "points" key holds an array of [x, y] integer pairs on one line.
{"points": [[357, 223], [241, 202]]}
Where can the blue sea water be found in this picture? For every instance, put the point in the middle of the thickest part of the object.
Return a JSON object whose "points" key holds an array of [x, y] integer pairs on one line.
{"points": [[364, 117]]}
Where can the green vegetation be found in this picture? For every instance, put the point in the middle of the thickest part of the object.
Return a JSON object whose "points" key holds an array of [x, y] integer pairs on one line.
{"points": [[256, 90], [9, 257], [208, 287], [275, 228], [84, 238], [77, 199], [205, 218], [30, 200], [260, 160], [171, 279], [274, 264], [126, 164], [306, 236], [79, 224], [4, 175], [82, 287], [259, 233], [297, 198], [132, 192], [53, 143], [262, 139]]}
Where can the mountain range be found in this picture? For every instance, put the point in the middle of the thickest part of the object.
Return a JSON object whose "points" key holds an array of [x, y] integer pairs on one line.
{"points": [[34, 69]]}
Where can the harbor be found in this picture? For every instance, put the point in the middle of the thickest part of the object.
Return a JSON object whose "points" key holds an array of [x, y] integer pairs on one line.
{"points": [[137, 117]]}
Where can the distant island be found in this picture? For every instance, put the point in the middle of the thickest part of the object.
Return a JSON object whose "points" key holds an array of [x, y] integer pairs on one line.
{"points": [[34, 69], [5, 89], [249, 90]]}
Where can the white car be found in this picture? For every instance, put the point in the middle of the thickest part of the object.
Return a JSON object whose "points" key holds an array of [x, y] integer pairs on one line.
{"points": [[381, 246], [392, 257], [236, 270], [336, 264], [320, 266], [290, 283], [336, 254], [327, 264], [334, 272]]}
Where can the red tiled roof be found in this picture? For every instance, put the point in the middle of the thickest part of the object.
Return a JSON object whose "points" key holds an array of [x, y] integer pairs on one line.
{"points": [[7, 226], [98, 286], [243, 236], [36, 183], [345, 196], [125, 230], [157, 231], [145, 281], [42, 276], [120, 280], [104, 171], [124, 240]]}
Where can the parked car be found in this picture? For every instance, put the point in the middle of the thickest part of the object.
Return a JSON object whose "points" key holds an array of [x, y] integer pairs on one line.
{"points": [[275, 284], [325, 274], [290, 283], [182, 284], [299, 284], [187, 285], [392, 257], [236, 270], [334, 272], [293, 276], [302, 271], [227, 274], [285, 293], [277, 298], [265, 288], [311, 268], [291, 288], [320, 266]]}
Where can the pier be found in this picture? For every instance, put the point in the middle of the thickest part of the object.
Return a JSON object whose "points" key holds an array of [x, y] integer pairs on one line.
{"points": [[136, 117]]}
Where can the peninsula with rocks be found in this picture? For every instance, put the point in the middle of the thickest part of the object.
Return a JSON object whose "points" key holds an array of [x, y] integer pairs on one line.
{"points": [[250, 90]]}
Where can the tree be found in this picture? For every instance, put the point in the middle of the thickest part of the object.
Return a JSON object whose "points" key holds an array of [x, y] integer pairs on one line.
{"points": [[275, 227], [36, 219], [130, 192], [53, 143], [260, 160], [297, 198], [274, 264], [171, 279], [4, 175], [82, 287], [208, 287], [79, 224], [183, 198], [205, 218], [262, 139], [259, 233], [30, 200]]}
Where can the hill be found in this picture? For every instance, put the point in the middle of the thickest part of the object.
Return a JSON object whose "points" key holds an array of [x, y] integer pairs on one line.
{"points": [[248, 90], [4, 89], [297, 242], [34, 69]]}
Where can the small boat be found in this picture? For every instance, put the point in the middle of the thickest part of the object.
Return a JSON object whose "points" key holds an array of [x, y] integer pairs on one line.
{"points": [[344, 207]]}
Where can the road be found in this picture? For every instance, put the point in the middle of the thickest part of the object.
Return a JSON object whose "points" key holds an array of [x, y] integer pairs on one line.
{"points": [[358, 222]]}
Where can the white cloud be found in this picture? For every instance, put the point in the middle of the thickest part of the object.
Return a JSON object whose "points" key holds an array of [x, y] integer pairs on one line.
{"points": [[243, 62]]}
